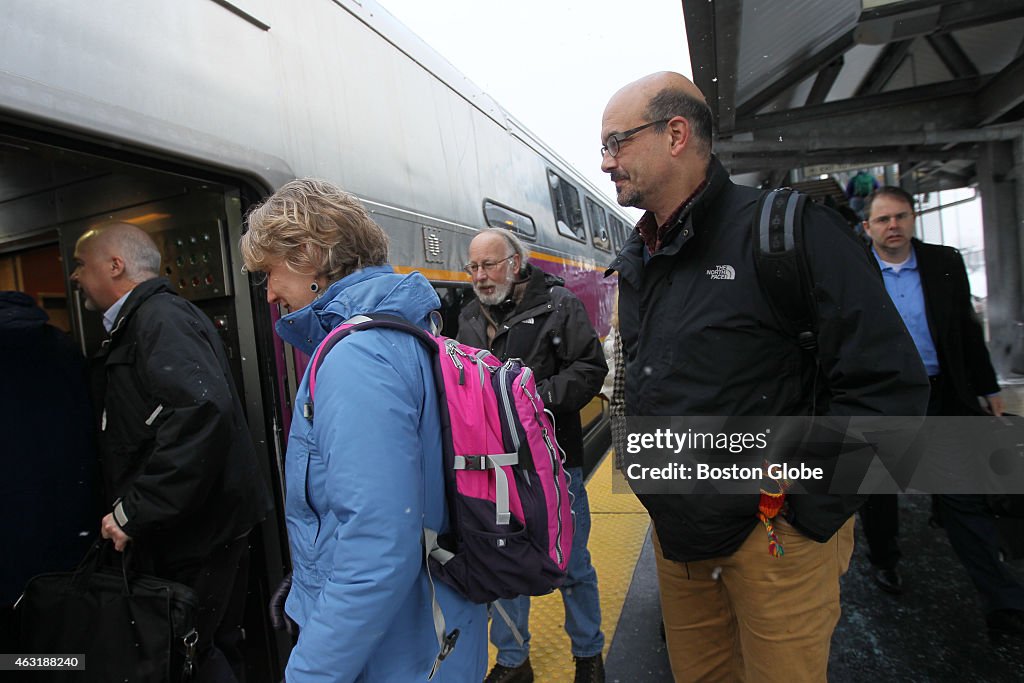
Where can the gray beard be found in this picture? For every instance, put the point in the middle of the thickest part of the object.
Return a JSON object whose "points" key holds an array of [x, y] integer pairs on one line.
{"points": [[630, 198], [500, 294]]}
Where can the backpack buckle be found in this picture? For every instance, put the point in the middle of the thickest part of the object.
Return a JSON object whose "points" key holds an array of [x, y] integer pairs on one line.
{"points": [[474, 462]]}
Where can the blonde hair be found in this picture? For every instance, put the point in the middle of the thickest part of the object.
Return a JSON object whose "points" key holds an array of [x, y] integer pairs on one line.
{"points": [[313, 226]]}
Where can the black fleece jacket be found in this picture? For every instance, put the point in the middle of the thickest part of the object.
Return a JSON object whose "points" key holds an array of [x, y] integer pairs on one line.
{"points": [[550, 331], [178, 462]]}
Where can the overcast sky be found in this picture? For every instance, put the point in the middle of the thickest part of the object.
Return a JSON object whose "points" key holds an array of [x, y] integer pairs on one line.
{"points": [[553, 65]]}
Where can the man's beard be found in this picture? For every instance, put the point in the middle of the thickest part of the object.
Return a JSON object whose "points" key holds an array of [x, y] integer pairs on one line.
{"points": [[628, 196], [500, 294]]}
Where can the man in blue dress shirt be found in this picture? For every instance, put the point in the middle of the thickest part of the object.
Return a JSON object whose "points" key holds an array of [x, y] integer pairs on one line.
{"points": [[928, 284]]}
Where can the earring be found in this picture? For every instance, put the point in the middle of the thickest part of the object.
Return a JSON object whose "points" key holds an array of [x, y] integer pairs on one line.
{"points": [[314, 287]]}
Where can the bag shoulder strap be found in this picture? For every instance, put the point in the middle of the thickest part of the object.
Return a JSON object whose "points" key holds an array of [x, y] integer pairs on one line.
{"points": [[780, 263], [356, 324]]}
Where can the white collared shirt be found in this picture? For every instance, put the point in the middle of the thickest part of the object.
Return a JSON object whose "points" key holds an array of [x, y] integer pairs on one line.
{"points": [[110, 317]]}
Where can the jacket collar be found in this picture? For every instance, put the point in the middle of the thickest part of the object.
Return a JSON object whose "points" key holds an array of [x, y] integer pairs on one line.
{"points": [[536, 299], [692, 217], [374, 289], [139, 294], [629, 263], [537, 288]]}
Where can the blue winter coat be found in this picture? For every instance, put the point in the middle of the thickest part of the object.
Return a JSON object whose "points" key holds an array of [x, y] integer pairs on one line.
{"points": [[363, 478]]}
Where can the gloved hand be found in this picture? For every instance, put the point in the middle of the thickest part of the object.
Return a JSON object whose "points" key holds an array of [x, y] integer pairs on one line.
{"points": [[278, 618]]}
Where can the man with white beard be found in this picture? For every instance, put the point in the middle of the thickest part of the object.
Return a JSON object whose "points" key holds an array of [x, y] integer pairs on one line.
{"points": [[523, 312]]}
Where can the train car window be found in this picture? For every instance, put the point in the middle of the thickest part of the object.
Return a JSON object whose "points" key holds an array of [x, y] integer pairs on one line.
{"points": [[598, 225], [565, 199], [618, 230], [500, 216]]}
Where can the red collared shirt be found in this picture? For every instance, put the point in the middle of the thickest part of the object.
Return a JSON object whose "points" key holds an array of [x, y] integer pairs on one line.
{"points": [[652, 233]]}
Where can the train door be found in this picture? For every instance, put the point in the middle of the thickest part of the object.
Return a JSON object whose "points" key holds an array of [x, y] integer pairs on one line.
{"points": [[51, 191]]}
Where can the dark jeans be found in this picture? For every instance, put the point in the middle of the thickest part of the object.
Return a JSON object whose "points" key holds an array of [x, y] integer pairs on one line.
{"points": [[881, 521], [972, 533], [880, 515], [969, 525]]}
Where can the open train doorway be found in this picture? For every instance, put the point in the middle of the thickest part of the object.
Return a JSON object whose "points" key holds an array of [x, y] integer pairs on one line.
{"points": [[52, 190]]}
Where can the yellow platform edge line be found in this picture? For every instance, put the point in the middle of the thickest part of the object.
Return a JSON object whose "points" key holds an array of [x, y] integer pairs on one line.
{"points": [[619, 526]]}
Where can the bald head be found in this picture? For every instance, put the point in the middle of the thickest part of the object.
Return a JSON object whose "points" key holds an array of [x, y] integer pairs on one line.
{"points": [[646, 88], [663, 95], [129, 242], [110, 260], [660, 127]]}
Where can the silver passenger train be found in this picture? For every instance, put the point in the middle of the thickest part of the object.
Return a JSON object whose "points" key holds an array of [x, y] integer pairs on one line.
{"points": [[178, 116]]}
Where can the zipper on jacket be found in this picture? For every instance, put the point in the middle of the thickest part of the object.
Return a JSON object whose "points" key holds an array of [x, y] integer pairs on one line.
{"points": [[309, 502], [116, 328]]}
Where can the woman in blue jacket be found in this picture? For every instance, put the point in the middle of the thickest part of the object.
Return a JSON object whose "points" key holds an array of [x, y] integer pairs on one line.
{"points": [[364, 476]]}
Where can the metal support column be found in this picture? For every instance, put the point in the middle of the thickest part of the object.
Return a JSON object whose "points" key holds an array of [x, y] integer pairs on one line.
{"points": [[1002, 203]]}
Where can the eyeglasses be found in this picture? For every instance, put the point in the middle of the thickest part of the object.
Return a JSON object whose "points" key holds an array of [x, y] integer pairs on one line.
{"points": [[488, 266], [884, 220], [615, 140]]}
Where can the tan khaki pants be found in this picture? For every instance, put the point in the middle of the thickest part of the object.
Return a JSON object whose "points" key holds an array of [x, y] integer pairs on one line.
{"points": [[763, 618]]}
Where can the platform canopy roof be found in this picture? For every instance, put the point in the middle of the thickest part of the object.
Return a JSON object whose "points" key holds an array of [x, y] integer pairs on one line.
{"points": [[830, 85]]}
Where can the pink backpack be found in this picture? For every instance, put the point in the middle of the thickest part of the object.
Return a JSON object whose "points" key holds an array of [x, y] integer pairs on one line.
{"points": [[508, 498]]}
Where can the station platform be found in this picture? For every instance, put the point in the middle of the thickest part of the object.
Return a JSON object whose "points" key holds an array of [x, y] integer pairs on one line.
{"points": [[935, 631]]}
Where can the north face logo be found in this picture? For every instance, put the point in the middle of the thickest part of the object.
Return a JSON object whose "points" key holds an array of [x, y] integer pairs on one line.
{"points": [[722, 273]]}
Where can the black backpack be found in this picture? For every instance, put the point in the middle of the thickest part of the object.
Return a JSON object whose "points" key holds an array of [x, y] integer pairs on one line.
{"points": [[781, 266], [782, 271]]}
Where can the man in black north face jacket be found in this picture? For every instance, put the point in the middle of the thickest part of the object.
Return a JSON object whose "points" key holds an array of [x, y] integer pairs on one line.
{"points": [[700, 339], [183, 483]]}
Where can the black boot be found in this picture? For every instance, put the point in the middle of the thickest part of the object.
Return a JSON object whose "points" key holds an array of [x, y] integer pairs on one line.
{"points": [[511, 674], [589, 669]]}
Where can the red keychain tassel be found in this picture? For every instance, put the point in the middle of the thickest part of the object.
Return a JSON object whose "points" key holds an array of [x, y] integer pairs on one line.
{"points": [[768, 508]]}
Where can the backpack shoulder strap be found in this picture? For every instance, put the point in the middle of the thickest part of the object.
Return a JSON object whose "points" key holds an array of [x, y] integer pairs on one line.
{"points": [[780, 263], [356, 324]]}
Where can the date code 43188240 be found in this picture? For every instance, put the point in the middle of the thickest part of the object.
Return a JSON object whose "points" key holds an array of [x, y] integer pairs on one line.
{"points": [[37, 662]]}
